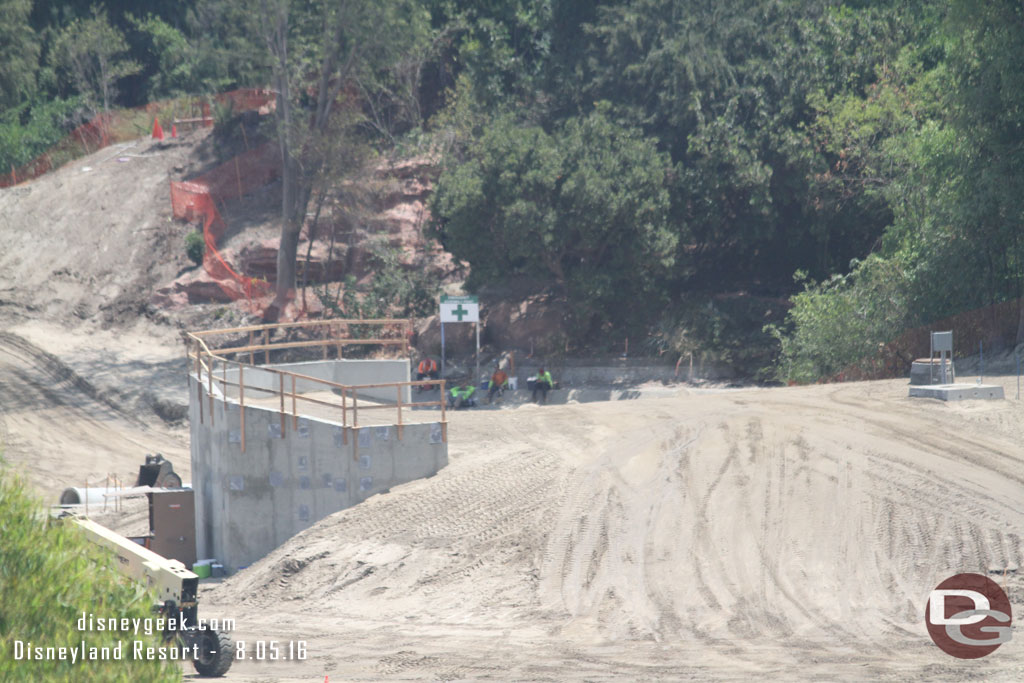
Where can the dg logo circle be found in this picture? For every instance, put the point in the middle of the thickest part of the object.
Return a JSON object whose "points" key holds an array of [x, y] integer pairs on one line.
{"points": [[968, 616]]}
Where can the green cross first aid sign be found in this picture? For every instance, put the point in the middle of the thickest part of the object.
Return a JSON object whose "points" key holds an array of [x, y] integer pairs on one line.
{"points": [[460, 309]]}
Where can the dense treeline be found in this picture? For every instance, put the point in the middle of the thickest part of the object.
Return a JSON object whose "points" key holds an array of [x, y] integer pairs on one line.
{"points": [[671, 168]]}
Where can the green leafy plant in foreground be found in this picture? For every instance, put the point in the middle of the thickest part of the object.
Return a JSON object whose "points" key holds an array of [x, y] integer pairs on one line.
{"points": [[49, 575]]}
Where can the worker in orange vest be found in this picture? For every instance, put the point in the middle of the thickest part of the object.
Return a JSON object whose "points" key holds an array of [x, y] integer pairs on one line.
{"points": [[427, 369]]}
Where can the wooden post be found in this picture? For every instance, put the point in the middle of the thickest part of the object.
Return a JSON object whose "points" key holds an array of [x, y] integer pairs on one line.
{"points": [[241, 402], [295, 415], [325, 336], [355, 409], [266, 346], [444, 420], [344, 408], [209, 383], [252, 354], [281, 393], [399, 388], [199, 385]]}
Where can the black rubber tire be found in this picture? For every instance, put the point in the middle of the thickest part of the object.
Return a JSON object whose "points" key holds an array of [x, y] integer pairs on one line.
{"points": [[217, 663]]}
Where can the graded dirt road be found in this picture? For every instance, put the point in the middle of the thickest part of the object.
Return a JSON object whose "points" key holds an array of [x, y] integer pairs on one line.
{"points": [[785, 533]]}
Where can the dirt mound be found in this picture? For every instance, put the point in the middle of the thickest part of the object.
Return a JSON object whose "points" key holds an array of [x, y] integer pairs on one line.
{"points": [[95, 238], [810, 523], [62, 429]]}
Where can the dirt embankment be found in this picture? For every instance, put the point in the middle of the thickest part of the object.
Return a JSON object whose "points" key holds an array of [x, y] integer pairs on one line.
{"points": [[788, 533]]}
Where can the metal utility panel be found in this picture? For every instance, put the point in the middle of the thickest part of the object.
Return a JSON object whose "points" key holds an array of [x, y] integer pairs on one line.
{"points": [[172, 519], [942, 341]]}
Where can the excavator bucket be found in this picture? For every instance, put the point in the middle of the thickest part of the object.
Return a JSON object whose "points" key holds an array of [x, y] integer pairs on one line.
{"points": [[158, 473]]}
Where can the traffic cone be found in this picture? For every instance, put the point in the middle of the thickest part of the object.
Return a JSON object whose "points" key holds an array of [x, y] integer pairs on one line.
{"points": [[158, 132], [174, 130]]}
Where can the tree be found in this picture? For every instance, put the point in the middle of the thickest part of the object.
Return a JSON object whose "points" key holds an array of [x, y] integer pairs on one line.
{"points": [[170, 60], [19, 53], [322, 54], [92, 55], [585, 206]]}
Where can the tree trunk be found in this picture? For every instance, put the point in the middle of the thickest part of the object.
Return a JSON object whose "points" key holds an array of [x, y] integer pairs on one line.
{"points": [[1020, 322]]}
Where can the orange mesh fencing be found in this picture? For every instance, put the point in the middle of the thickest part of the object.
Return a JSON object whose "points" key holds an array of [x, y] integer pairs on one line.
{"points": [[112, 127], [197, 199], [993, 326], [85, 139]]}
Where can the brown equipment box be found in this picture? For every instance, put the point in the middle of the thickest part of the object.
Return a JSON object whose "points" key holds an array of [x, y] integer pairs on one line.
{"points": [[172, 521]]}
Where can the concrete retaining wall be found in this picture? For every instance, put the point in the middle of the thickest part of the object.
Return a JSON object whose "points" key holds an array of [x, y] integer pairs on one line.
{"points": [[249, 503], [349, 372]]}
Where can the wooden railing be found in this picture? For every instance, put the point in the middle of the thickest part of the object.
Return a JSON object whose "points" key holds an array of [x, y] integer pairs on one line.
{"points": [[327, 334], [206, 363]]}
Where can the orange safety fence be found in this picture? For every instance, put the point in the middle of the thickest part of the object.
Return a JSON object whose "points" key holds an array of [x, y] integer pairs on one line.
{"points": [[85, 139], [995, 327], [113, 127], [197, 199]]}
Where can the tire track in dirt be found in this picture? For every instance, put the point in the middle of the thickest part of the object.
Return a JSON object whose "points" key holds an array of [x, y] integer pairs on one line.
{"points": [[56, 425]]}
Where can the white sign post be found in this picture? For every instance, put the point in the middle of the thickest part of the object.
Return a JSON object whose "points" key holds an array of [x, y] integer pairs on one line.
{"points": [[461, 309]]}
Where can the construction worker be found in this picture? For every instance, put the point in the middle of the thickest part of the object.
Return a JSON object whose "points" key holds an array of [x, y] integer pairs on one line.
{"points": [[542, 383], [498, 383], [462, 396], [426, 369]]}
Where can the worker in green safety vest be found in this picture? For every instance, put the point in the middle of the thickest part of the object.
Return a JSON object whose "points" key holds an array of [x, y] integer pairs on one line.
{"points": [[543, 383], [462, 396]]}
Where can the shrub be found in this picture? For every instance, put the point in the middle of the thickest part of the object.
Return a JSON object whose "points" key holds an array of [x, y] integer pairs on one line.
{"points": [[49, 575], [195, 247], [841, 322]]}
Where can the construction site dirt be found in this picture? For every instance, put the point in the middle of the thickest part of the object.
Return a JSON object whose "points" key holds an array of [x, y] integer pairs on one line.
{"points": [[786, 533]]}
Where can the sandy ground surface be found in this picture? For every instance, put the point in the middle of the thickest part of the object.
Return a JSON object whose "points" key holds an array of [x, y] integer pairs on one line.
{"points": [[786, 533], [70, 406]]}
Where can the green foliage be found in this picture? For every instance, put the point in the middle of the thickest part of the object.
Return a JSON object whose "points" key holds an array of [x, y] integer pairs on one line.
{"points": [[721, 329], [501, 46], [29, 130], [49, 576], [395, 290], [227, 51], [842, 321], [91, 56], [195, 247], [942, 130], [19, 53], [170, 62], [585, 207]]}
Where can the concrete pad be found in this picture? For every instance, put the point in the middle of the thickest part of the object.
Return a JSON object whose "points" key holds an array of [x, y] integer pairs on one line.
{"points": [[958, 392]]}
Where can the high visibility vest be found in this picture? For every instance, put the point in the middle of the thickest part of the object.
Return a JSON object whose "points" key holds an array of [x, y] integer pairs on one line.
{"points": [[427, 365], [459, 393]]}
